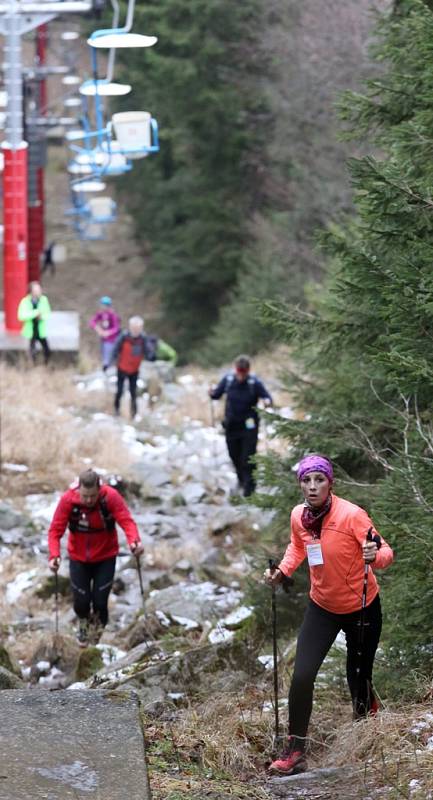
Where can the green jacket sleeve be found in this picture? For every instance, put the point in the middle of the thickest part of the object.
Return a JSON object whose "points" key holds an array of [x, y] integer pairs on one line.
{"points": [[26, 310], [165, 352]]}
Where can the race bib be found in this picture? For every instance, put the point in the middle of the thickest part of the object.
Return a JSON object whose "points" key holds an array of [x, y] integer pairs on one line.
{"points": [[314, 554]]}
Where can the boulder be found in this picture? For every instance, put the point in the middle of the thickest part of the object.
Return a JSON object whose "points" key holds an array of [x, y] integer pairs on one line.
{"points": [[193, 492], [8, 663], [60, 651], [224, 518], [226, 666], [142, 630], [212, 564], [89, 662], [10, 518], [8, 680], [151, 474], [199, 602]]}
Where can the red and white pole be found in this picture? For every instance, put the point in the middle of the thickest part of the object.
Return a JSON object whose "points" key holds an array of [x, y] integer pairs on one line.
{"points": [[15, 280], [15, 241]]}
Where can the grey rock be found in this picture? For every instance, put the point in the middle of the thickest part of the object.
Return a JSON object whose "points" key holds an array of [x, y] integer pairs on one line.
{"points": [[61, 651], [199, 602], [72, 746], [8, 680], [193, 492], [153, 475], [172, 392], [10, 518], [183, 566], [225, 517]]}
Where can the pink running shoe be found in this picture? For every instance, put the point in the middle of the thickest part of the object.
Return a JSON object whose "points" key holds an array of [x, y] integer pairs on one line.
{"points": [[290, 762]]}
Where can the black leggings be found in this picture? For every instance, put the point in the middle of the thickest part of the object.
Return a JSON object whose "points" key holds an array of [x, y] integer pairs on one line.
{"points": [[91, 584], [242, 445], [121, 378], [45, 347], [316, 636]]}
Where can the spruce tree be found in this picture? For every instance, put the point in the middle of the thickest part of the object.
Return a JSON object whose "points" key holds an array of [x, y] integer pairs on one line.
{"points": [[364, 345], [193, 202]]}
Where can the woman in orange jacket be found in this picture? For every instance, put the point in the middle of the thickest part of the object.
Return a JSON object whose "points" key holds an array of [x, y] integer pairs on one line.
{"points": [[334, 535]]}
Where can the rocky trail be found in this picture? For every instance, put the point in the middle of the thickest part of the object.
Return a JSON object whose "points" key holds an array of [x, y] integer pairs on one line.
{"points": [[180, 639], [178, 690]]}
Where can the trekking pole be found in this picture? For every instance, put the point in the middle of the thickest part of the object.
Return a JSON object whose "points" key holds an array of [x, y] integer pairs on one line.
{"points": [[272, 567], [140, 579], [362, 628], [212, 418], [56, 601]]}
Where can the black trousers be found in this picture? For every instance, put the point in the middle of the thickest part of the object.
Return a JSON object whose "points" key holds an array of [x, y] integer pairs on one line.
{"points": [[44, 345], [121, 378], [316, 636], [242, 445], [91, 584]]}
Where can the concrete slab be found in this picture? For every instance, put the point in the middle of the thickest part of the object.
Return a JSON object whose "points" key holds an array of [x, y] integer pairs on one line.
{"points": [[71, 744], [63, 337]]}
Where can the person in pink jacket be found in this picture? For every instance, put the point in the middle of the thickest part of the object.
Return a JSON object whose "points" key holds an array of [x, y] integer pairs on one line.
{"points": [[334, 535], [106, 323]]}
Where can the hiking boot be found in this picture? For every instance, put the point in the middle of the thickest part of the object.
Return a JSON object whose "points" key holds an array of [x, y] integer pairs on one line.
{"points": [[95, 631], [83, 633], [290, 762]]}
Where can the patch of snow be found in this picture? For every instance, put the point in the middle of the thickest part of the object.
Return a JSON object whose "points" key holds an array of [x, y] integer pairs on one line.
{"points": [[76, 775], [15, 467], [185, 380], [110, 653], [43, 666], [282, 703], [237, 616], [42, 507], [188, 624], [220, 635], [267, 661], [164, 620], [23, 581]]}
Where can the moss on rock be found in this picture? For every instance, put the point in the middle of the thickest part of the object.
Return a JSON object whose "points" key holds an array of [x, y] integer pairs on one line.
{"points": [[89, 662]]}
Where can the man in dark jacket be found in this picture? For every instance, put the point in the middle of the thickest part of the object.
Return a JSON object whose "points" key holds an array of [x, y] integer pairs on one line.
{"points": [[241, 421], [132, 346], [91, 510]]}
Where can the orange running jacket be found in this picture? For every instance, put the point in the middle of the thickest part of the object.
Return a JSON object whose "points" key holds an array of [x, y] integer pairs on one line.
{"points": [[336, 585]]}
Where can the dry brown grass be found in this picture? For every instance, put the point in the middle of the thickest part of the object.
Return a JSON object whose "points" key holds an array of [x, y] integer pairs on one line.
{"points": [[387, 750], [39, 428], [229, 737]]}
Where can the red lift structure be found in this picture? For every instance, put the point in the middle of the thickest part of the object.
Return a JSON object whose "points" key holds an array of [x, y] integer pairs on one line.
{"points": [[18, 17]]}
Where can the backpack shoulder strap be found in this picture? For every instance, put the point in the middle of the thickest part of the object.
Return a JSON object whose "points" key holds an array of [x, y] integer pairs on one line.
{"points": [[252, 383], [229, 378], [74, 517], [109, 521]]}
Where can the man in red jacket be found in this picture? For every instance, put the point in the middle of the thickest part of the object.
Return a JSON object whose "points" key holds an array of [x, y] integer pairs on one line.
{"points": [[132, 346], [91, 510]]}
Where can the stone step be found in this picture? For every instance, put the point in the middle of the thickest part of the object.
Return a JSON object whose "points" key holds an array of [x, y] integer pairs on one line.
{"points": [[71, 744]]}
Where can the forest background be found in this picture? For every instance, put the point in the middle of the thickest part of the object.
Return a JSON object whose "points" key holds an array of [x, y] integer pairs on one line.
{"points": [[252, 169]]}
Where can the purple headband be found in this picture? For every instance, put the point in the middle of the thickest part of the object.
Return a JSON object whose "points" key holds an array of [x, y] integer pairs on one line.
{"points": [[315, 463]]}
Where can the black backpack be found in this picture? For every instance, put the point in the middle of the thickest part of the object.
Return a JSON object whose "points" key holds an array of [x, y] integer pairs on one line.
{"points": [[109, 521]]}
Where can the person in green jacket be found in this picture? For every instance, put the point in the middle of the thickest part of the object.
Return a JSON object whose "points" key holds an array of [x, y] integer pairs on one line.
{"points": [[33, 311], [165, 352]]}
